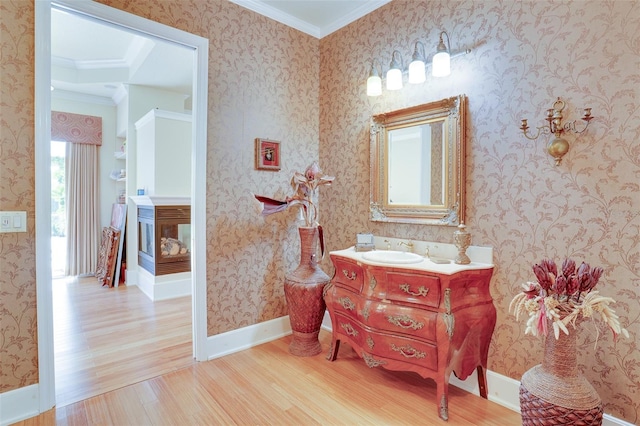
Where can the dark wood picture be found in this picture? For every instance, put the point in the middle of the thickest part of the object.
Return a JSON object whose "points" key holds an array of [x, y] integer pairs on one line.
{"points": [[108, 255]]}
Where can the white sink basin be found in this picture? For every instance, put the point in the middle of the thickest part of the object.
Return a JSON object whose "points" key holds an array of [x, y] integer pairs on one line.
{"points": [[390, 256]]}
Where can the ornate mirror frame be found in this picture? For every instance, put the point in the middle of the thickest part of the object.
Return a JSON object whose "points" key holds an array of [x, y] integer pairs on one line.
{"points": [[451, 112]]}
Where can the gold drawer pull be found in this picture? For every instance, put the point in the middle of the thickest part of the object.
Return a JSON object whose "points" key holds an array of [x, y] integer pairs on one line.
{"points": [[422, 290], [370, 342], [350, 276], [347, 303], [348, 328], [408, 351], [404, 321]]}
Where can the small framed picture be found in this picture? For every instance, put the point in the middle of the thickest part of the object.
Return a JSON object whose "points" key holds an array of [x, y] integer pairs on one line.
{"points": [[267, 154]]}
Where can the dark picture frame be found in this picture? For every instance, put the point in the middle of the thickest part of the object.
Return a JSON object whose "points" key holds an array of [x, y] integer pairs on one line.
{"points": [[267, 154]]}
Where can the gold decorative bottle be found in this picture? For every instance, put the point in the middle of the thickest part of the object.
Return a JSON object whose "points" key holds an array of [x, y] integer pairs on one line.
{"points": [[462, 240]]}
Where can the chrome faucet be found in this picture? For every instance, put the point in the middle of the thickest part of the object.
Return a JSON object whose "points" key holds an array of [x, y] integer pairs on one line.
{"points": [[388, 244], [409, 245]]}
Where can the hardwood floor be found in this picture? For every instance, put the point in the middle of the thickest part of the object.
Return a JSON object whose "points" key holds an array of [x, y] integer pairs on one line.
{"points": [[266, 385], [107, 338]]}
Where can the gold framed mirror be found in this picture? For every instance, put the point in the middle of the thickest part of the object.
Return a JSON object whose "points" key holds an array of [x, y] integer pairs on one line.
{"points": [[418, 164]]}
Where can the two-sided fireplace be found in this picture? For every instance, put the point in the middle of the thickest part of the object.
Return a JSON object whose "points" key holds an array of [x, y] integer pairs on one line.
{"points": [[164, 238]]}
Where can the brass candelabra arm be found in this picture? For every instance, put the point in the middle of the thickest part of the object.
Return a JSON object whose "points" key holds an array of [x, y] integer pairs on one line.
{"points": [[586, 117], [544, 130]]}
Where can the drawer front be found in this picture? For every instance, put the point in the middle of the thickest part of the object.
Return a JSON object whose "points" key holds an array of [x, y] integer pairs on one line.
{"points": [[412, 322], [413, 288], [403, 349], [345, 302], [348, 274], [351, 328]]}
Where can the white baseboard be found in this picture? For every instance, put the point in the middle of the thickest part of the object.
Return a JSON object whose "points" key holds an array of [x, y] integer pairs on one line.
{"points": [[163, 287], [247, 337], [19, 404]]}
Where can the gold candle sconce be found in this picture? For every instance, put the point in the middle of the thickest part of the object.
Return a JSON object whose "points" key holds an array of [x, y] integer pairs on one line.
{"points": [[558, 146]]}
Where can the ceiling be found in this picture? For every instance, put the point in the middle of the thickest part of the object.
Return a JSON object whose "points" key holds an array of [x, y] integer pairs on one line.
{"points": [[94, 58], [317, 18]]}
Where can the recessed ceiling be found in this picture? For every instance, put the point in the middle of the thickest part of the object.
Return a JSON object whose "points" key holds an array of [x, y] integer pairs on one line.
{"points": [[96, 58], [92, 57]]}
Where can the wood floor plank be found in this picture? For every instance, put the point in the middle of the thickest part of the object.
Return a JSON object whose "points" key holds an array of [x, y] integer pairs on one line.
{"points": [[107, 338]]}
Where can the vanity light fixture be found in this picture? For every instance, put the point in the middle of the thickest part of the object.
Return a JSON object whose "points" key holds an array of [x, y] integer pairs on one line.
{"points": [[394, 75], [374, 82], [440, 63], [418, 64], [559, 146], [441, 66]]}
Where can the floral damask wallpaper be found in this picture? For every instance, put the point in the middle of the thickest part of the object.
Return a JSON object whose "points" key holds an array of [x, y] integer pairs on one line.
{"points": [[18, 324], [263, 82], [525, 55]]}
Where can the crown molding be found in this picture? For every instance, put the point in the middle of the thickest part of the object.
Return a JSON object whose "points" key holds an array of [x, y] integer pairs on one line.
{"points": [[307, 28], [82, 97]]}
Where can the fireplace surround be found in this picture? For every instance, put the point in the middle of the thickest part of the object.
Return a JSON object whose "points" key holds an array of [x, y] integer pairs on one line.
{"points": [[164, 238]]}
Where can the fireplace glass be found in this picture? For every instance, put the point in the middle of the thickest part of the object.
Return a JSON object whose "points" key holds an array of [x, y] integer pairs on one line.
{"points": [[164, 239]]}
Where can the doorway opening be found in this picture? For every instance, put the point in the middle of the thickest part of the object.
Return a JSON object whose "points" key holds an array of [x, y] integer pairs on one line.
{"points": [[145, 27], [142, 318]]}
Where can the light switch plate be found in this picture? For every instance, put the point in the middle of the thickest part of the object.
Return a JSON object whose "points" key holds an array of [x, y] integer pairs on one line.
{"points": [[13, 221]]}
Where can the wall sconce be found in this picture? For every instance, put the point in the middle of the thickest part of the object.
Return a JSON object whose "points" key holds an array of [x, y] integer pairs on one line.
{"points": [[417, 66], [374, 82], [394, 75], [442, 59], [559, 146], [441, 67]]}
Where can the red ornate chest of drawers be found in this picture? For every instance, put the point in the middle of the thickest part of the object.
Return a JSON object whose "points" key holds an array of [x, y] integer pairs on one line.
{"points": [[427, 318]]}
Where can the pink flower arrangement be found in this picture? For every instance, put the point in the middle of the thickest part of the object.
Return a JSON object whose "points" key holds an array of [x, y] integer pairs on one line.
{"points": [[305, 186], [562, 296]]}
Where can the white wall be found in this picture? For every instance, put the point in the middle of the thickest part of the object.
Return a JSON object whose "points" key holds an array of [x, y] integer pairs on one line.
{"points": [[163, 165]]}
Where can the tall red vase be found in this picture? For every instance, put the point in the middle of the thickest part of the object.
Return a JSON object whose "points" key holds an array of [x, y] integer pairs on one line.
{"points": [[303, 291], [554, 392]]}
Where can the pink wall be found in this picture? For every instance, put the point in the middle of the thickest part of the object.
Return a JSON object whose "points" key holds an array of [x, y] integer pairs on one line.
{"points": [[525, 55], [263, 83]]}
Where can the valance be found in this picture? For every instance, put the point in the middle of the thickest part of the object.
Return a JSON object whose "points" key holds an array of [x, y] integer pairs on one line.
{"points": [[76, 128]]}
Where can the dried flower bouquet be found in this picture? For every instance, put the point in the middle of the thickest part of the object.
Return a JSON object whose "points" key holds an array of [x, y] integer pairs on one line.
{"points": [[305, 186], [562, 297]]}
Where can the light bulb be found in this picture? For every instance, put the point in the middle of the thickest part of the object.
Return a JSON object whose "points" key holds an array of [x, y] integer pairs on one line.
{"points": [[394, 79], [417, 73], [441, 64], [374, 86]]}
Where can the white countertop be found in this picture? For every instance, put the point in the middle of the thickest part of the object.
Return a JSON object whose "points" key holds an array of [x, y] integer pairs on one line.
{"points": [[425, 264]]}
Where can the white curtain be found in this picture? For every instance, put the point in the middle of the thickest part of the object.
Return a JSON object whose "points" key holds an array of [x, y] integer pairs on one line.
{"points": [[83, 208]]}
